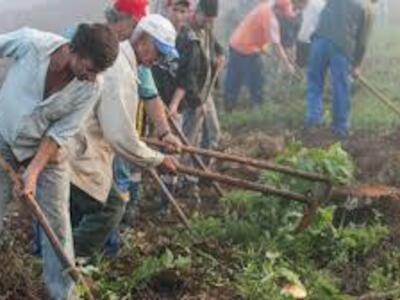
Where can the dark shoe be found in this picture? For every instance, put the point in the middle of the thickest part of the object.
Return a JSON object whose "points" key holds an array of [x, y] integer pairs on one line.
{"points": [[131, 215], [164, 201], [113, 244]]}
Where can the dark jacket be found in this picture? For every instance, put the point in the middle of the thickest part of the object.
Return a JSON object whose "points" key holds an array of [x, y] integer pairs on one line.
{"points": [[194, 65], [289, 29], [347, 23], [164, 74]]}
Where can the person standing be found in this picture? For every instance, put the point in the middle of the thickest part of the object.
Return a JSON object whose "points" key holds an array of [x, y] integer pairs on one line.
{"points": [[200, 58], [383, 11], [165, 76], [310, 19], [339, 44], [259, 30]]}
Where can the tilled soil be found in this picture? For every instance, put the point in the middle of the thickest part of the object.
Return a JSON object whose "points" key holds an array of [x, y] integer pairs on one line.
{"points": [[376, 158]]}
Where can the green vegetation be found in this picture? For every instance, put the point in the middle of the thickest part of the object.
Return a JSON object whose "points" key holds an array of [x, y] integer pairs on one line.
{"points": [[285, 103], [248, 249], [251, 247]]}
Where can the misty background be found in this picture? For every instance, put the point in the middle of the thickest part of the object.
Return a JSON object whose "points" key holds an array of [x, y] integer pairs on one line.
{"points": [[57, 15]]}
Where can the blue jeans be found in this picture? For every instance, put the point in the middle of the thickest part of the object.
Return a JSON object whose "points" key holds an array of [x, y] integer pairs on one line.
{"points": [[52, 196], [247, 70], [324, 55]]}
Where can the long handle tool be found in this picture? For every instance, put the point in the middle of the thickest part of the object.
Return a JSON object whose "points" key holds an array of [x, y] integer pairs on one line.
{"points": [[37, 212]]}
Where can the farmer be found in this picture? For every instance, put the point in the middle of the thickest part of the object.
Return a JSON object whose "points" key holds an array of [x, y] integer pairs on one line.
{"points": [[200, 57], [159, 7], [122, 17], [49, 91], [339, 43], [310, 19], [259, 30], [110, 130], [165, 76], [162, 7], [289, 19], [383, 11]]}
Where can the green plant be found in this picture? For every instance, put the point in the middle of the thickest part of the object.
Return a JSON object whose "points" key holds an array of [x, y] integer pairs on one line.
{"points": [[386, 275], [148, 268], [251, 245]]}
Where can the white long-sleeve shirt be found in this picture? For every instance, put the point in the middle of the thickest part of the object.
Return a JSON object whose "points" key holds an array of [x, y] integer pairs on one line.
{"points": [[311, 16], [110, 129], [25, 117]]}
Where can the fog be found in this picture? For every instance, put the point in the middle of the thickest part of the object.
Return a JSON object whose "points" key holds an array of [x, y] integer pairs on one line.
{"points": [[56, 15], [52, 15]]}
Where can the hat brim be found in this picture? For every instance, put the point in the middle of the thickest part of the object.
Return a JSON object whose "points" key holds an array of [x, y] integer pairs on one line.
{"points": [[166, 50]]}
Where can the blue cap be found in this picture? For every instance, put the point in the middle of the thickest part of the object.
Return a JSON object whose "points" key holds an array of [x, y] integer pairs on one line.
{"points": [[167, 50]]}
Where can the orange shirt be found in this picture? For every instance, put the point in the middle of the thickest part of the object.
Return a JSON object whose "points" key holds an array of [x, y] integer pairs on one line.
{"points": [[254, 32]]}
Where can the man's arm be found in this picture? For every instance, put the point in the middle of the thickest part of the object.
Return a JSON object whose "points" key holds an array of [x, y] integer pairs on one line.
{"points": [[281, 53], [47, 150], [364, 31], [176, 101], [155, 107], [116, 117], [59, 133], [15, 44], [276, 45], [156, 111]]}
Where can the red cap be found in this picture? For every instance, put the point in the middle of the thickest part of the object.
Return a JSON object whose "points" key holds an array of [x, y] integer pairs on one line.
{"points": [[285, 7], [136, 8]]}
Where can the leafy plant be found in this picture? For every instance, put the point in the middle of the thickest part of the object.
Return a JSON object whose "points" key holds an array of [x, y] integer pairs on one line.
{"points": [[142, 275]]}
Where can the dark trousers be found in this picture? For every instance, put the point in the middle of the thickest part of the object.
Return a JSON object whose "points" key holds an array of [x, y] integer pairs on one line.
{"points": [[302, 54], [247, 70], [93, 222]]}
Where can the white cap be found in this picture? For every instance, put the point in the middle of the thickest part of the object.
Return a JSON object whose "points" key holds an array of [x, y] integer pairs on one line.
{"points": [[163, 32]]}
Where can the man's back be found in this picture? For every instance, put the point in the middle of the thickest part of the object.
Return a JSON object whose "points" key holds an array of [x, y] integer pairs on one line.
{"points": [[340, 22], [253, 33]]}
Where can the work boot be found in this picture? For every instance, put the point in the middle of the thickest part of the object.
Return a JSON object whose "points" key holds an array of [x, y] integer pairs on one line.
{"points": [[131, 214], [164, 201], [191, 191], [195, 196], [113, 244], [132, 208]]}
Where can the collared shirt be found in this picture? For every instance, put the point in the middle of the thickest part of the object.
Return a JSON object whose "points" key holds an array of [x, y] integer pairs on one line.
{"points": [[111, 129], [25, 117], [311, 16]]}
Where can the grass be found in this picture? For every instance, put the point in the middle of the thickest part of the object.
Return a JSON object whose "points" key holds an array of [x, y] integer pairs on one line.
{"points": [[248, 249], [284, 105], [251, 250]]}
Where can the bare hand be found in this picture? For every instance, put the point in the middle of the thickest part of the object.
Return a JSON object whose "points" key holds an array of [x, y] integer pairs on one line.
{"points": [[356, 72], [29, 180], [220, 63], [173, 142], [169, 164], [173, 112], [291, 69]]}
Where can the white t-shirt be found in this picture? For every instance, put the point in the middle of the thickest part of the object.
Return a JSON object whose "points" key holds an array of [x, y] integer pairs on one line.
{"points": [[310, 20], [274, 30]]}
